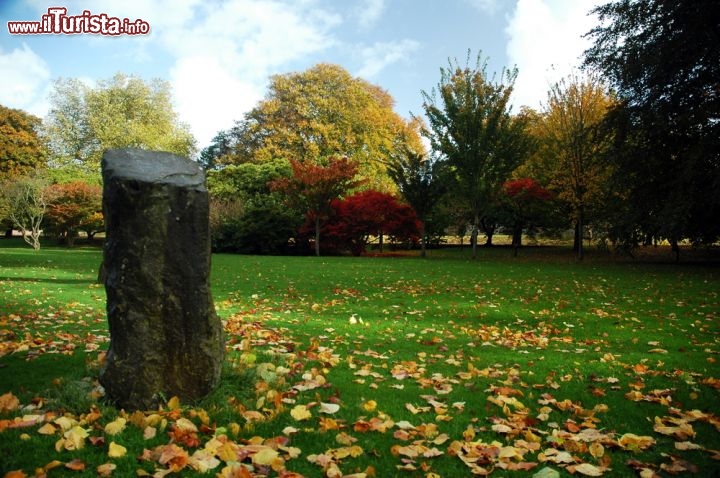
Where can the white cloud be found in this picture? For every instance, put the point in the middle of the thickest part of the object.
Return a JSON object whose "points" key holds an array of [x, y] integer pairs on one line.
{"points": [[209, 97], [545, 42], [24, 81], [221, 53], [382, 54], [368, 12], [224, 56]]}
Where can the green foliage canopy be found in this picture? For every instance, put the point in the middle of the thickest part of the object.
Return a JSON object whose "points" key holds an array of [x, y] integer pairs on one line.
{"points": [[662, 57], [471, 125], [124, 111]]}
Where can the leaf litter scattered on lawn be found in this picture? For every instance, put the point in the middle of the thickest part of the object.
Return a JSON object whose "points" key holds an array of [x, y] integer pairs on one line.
{"points": [[517, 421]]}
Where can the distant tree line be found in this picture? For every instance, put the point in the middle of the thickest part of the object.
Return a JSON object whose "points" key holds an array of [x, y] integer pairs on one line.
{"points": [[624, 152]]}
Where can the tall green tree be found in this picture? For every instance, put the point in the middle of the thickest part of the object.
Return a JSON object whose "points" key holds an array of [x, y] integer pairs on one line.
{"points": [[470, 124], [124, 111], [312, 115], [422, 181], [245, 215], [574, 146], [662, 58]]}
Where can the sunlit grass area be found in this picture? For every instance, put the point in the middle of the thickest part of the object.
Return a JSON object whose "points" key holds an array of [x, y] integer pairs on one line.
{"points": [[383, 366]]}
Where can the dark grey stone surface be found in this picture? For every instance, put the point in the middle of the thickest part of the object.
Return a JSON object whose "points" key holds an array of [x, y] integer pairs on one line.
{"points": [[165, 338]]}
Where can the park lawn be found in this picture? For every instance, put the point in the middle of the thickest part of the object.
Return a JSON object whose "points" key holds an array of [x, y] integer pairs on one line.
{"points": [[382, 366]]}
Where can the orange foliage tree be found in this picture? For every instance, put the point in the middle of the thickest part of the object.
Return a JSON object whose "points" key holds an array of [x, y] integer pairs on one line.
{"points": [[73, 207]]}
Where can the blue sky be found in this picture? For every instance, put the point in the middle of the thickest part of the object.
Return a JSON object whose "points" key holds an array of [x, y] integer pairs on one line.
{"points": [[218, 55]]}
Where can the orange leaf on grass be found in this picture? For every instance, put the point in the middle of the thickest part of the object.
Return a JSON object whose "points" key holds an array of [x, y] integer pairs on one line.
{"points": [[106, 469], [15, 474], [8, 403], [75, 465]]}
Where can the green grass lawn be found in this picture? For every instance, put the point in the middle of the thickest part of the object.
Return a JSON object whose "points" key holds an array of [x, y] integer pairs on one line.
{"points": [[382, 366]]}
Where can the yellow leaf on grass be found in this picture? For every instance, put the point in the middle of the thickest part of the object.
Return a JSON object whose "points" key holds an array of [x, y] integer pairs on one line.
{"points": [[149, 433], [596, 450], [500, 428], [370, 405], [185, 425], [266, 456], [203, 461], [174, 403], [65, 423], [75, 438], [345, 439], [47, 429], [686, 445], [116, 426], [228, 452], [587, 469], [300, 412], [116, 451], [630, 441]]}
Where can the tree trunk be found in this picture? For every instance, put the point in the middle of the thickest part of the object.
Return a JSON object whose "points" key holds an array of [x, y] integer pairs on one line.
{"points": [[489, 229], [423, 240], [474, 236], [380, 242], [317, 235], [675, 248], [517, 238], [579, 232]]}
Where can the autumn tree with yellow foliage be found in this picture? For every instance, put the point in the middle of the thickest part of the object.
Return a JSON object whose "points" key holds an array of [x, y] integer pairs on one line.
{"points": [[316, 114], [573, 146]]}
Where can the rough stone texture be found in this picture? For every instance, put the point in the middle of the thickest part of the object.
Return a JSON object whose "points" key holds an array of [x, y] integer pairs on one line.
{"points": [[165, 338]]}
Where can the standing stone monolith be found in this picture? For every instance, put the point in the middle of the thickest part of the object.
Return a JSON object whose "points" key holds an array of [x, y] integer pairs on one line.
{"points": [[165, 338]]}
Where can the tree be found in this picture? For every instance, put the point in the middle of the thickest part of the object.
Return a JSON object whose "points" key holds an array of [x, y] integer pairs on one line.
{"points": [[25, 202], [471, 126], [422, 181], [365, 214], [21, 150], [524, 201], [312, 188], [316, 114], [214, 155], [124, 111], [661, 57], [246, 181], [245, 215], [72, 207], [574, 145]]}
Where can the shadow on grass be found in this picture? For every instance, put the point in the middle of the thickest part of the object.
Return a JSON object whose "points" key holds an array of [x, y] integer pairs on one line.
{"points": [[48, 280], [34, 377]]}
